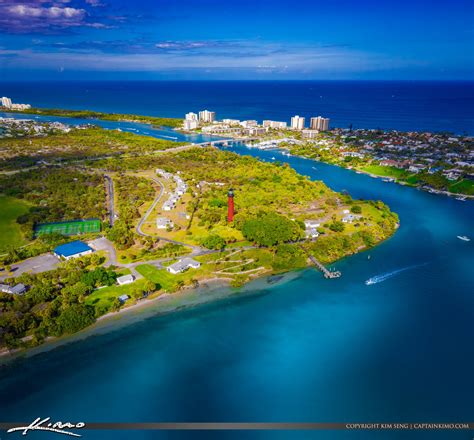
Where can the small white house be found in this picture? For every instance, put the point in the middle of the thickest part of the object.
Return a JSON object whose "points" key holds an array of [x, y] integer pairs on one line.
{"points": [[183, 265], [125, 279], [123, 298], [311, 224], [168, 206], [311, 233], [18, 289], [164, 223], [348, 218]]}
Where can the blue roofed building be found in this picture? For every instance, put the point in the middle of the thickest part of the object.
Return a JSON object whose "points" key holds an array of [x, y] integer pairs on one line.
{"points": [[73, 250]]}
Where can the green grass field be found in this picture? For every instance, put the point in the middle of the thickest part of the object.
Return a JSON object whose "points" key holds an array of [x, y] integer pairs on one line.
{"points": [[465, 186], [10, 233], [105, 296], [69, 228], [379, 170], [166, 280]]}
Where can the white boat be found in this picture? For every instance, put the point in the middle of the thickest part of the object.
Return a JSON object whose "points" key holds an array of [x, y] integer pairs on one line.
{"points": [[463, 238], [461, 198], [273, 157]]}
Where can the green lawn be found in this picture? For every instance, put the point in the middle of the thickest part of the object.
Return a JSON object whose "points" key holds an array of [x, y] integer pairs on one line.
{"points": [[10, 233], [465, 186], [379, 170], [104, 297], [162, 277]]}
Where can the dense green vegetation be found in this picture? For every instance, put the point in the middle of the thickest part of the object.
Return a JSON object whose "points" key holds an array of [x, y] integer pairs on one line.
{"points": [[269, 229], [79, 143], [89, 114], [55, 194], [55, 303], [10, 209], [132, 193], [272, 201]]}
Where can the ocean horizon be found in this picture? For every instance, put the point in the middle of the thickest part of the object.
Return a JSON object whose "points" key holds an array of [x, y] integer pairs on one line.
{"points": [[390, 105]]}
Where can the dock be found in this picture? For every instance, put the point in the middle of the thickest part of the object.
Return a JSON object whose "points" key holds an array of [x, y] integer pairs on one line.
{"points": [[327, 273]]}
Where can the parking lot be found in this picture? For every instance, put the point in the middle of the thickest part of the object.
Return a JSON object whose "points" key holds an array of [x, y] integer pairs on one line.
{"points": [[42, 263]]}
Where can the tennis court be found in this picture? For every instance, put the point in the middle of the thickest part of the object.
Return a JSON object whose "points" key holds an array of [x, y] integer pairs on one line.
{"points": [[73, 227]]}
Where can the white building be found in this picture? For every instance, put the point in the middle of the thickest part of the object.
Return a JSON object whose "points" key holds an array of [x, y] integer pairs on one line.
{"points": [[20, 106], [164, 223], [319, 123], [125, 279], [249, 123], [275, 124], [311, 233], [297, 122], [231, 121], [6, 102], [311, 224], [310, 134], [168, 206], [183, 265], [190, 124], [191, 116], [207, 116], [255, 131], [18, 289]]}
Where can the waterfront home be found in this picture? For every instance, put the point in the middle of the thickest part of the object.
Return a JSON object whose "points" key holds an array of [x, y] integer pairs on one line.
{"points": [[18, 289], [125, 279], [74, 249], [123, 298], [183, 265]]}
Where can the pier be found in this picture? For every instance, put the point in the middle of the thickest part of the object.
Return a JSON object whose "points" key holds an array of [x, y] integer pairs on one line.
{"points": [[327, 273]]}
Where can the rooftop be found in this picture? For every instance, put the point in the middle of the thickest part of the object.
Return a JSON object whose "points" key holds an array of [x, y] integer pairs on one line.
{"points": [[73, 248]]}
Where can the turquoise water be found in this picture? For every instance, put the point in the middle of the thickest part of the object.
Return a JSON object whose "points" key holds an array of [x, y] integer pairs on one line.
{"points": [[310, 349]]}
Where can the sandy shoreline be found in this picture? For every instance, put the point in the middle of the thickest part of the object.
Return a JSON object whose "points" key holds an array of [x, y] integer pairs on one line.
{"points": [[210, 290]]}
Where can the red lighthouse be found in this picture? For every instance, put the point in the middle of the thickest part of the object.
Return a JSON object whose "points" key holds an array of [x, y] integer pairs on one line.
{"points": [[230, 205]]}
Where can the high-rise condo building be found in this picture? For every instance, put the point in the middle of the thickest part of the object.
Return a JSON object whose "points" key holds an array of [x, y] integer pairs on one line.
{"points": [[190, 124], [6, 102], [297, 122], [319, 123], [191, 116], [207, 116]]}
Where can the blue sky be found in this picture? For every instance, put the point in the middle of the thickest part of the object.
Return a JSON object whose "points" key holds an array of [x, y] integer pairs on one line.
{"points": [[259, 39]]}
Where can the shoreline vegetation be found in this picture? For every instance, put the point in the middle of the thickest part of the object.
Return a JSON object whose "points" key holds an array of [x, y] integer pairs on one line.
{"points": [[90, 114], [281, 218], [213, 290], [393, 174]]}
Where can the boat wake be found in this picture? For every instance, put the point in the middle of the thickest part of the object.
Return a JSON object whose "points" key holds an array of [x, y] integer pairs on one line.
{"points": [[380, 278]]}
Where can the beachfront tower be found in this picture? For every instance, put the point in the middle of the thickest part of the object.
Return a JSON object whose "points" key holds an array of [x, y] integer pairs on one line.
{"points": [[230, 206]]}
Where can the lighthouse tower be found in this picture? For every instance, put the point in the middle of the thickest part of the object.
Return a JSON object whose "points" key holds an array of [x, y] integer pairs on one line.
{"points": [[230, 205]]}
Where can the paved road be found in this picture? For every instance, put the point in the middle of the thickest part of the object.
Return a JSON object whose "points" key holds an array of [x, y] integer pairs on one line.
{"points": [[147, 214], [110, 192], [104, 244]]}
